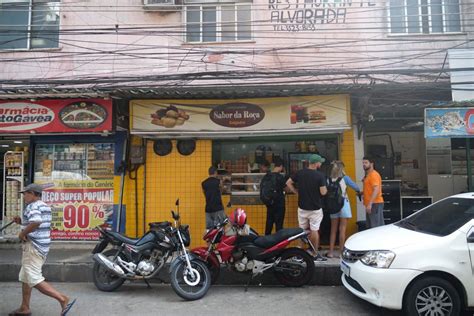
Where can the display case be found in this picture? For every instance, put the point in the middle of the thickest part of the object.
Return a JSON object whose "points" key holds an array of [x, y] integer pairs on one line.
{"points": [[13, 179], [246, 183], [74, 162]]}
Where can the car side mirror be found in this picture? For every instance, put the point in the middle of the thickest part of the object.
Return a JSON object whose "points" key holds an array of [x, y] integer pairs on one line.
{"points": [[470, 238]]}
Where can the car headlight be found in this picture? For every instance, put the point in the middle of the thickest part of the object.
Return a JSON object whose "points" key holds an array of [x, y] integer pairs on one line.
{"points": [[378, 258]]}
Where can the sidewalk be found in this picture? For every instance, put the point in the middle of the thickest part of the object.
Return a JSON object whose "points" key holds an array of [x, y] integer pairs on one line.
{"points": [[72, 262]]}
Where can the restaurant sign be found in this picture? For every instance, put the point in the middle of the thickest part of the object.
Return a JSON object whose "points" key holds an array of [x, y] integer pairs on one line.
{"points": [[449, 122], [55, 116], [255, 115]]}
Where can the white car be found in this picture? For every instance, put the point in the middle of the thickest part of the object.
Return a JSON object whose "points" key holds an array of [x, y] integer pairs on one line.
{"points": [[423, 264]]}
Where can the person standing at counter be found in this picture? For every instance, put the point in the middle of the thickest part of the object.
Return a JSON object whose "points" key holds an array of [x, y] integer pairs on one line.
{"points": [[311, 187], [373, 200], [211, 188], [271, 194]]}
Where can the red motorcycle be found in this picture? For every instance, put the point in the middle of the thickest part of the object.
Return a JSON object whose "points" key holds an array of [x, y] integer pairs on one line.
{"points": [[241, 249]]}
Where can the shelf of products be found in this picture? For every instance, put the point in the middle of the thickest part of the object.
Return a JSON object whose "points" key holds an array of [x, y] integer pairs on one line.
{"points": [[246, 183], [74, 162], [13, 175]]}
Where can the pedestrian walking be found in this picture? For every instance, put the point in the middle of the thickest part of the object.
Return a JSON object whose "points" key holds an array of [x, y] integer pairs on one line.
{"points": [[373, 200], [272, 195], [339, 219], [35, 238], [311, 187], [211, 188]]}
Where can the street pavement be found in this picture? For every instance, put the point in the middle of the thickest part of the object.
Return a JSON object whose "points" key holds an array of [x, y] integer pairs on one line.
{"points": [[137, 299]]}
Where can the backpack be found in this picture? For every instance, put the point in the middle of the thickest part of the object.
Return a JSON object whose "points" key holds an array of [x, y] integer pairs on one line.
{"points": [[334, 199], [268, 189]]}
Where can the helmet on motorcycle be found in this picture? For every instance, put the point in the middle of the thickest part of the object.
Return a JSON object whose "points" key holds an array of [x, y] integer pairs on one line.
{"points": [[238, 217]]}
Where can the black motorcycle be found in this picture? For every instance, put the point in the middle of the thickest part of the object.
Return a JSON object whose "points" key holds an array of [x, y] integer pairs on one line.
{"points": [[143, 258]]}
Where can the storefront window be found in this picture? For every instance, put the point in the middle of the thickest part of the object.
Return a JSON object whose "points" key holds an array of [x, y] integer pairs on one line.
{"points": [[78, 185], [241, 163]]}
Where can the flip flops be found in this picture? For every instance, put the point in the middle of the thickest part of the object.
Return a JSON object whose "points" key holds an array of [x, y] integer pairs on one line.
{"points": [[68, 308]]}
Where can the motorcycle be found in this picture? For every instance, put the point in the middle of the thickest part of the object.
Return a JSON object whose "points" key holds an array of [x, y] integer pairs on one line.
{"points": [[241, 249], [143, 258]]}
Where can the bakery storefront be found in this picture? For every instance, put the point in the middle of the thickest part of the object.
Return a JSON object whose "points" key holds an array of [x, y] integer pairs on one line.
{"points": [[183, 138], [71, 150]]}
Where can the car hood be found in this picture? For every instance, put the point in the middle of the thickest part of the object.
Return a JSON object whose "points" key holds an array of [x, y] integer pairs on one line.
{"points": [[386, 238]]}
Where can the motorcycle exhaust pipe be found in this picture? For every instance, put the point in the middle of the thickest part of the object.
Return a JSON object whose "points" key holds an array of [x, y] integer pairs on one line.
{"points": [[112, 267]]}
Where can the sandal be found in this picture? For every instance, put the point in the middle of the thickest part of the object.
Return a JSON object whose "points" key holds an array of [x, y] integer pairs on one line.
{"points": [[68, 308]]}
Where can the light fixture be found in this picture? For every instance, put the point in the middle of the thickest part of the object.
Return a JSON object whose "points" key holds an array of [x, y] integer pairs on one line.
{"points": [[5, 146], [18, 142]]}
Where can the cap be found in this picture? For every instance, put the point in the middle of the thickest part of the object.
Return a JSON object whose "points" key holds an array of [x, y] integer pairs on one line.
{"points": [[33, 187], [316, 158]]}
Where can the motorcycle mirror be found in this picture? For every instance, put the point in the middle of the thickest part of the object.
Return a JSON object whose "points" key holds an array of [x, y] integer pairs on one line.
{"points": [[175, 215], [229, 204], [177, 202]]}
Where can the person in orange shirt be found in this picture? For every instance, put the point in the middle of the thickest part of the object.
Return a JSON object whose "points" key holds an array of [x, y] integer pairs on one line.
{"points": [[373, 200]]}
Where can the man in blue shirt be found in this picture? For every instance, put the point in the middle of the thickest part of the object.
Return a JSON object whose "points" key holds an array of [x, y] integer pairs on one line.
{"points": [[35, 235]]}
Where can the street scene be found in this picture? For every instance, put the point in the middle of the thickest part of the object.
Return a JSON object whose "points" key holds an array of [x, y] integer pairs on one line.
{"points": [[239, 156]]}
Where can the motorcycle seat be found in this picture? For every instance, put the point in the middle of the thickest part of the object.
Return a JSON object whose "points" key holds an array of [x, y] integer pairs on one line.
{"points": [[124, 239], [271, 240]]}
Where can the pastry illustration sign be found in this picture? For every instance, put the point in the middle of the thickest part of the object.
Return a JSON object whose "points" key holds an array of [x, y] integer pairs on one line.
{"points": [[214, 115]]}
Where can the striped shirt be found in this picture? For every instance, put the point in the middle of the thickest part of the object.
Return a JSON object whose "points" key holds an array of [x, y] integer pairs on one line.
{"points": [[38, 212]]}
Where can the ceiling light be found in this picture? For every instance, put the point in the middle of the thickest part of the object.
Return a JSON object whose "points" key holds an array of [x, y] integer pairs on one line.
{"points": [[18, 142], [5, 146]]}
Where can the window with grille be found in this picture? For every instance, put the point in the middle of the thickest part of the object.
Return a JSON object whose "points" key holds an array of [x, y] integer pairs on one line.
{"points": [[28, 24], [218, 23], [424, 16]]}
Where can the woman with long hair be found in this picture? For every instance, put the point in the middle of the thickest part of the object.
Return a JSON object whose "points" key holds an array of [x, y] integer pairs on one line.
{"points": [[339, 220]]}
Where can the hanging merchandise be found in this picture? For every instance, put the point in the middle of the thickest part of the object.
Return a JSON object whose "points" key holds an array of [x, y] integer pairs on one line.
{"points": [[13, 175], [186, 146], [162, 147]]}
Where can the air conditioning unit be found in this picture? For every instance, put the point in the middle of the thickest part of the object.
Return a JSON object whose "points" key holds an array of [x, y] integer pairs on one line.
{"points": [[162, 5]]}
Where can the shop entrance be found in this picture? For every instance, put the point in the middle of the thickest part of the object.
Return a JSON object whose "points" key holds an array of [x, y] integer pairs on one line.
{"points": [[14, 152], [242, 164]]}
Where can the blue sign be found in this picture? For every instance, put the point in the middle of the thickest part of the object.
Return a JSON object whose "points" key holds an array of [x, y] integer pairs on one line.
{"points": [[449, 122]]}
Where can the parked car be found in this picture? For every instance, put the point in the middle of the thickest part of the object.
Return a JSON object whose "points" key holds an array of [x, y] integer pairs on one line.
{"points": [[423, 264]]}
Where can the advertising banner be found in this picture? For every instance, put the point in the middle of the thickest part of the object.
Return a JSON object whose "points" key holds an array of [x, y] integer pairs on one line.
{"points": [[268, 114], [55, 116], [78, 207], [449, 122]]}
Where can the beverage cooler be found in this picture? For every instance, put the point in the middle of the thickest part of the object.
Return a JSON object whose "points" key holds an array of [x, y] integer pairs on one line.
{"points": [[78, 181], [13, 180]]}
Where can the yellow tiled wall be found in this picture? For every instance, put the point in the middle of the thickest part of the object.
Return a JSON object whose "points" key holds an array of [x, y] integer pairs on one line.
{"points": [[176, 176]]}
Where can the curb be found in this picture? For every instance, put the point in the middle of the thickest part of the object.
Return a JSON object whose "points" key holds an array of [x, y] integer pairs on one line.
{"points": [[82, 272]]}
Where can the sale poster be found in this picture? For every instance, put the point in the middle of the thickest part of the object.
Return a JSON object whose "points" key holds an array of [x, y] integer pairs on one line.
{"points": [[78, 206]]}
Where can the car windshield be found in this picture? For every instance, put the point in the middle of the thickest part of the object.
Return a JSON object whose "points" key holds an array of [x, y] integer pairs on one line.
{"points": [[441, 218]]}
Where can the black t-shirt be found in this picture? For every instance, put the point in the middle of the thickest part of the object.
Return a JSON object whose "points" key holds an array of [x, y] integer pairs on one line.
{"points": [[212, 192], [281, 184], [309, 181]]}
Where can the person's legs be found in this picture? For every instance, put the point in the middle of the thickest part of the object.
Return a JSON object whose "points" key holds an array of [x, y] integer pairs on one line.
{"points": [[45, 288], [279, 216], [270, 220], [304, 223], [332, 237], [342, 233], [375, 218], [316, 218]]}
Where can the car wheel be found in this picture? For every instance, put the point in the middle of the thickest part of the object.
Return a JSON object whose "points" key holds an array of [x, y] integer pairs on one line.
{"points": [[432, 296]]}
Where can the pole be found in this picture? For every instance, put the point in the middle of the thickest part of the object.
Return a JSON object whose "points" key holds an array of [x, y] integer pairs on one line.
{"points": [[469, 165]]}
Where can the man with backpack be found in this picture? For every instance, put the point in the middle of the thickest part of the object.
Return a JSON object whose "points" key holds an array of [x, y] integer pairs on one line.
{"points": [[272, 195], [311, 187]]}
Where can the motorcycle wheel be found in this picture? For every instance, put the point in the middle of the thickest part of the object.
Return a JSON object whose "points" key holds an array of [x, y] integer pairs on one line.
{"points": [[285, 272], [105, 280], [191, 286], [214, 270]]}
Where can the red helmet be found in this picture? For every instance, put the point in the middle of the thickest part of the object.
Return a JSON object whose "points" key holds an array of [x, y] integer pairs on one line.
{"points": [[238, 217]]}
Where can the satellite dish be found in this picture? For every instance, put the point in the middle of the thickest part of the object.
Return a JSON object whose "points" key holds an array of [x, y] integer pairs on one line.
{"points": [[162, 147]]}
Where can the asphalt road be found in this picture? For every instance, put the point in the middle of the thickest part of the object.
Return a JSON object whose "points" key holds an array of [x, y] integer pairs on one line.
{"points": [[137, 299]]}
